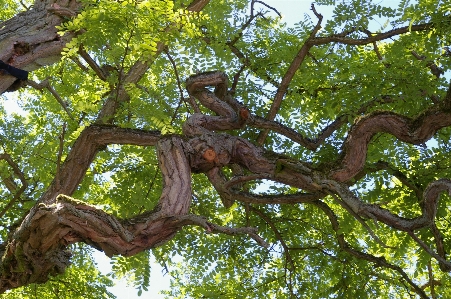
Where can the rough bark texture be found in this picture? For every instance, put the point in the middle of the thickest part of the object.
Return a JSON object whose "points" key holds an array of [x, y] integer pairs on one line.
{"points": [[38, 247], [30, 40]]}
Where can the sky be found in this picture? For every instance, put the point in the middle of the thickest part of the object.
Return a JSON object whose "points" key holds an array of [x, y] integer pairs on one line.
{"points": [[158, 281]]}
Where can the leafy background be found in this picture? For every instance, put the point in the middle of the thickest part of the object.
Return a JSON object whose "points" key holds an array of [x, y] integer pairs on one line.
{"points": [[200, 249]]}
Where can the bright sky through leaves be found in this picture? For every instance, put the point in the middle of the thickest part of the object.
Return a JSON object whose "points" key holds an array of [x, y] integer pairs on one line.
{"points": [[245, 157]]}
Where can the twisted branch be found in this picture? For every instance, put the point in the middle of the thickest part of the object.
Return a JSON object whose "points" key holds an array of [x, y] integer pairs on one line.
{"points": [[415, 131]]}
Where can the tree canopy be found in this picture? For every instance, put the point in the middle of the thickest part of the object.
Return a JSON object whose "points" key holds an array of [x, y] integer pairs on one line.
{"points": [[275, 161]]}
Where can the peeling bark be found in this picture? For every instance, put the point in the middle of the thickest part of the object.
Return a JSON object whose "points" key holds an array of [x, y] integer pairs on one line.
{"points": [[30, 40], [38, 247]]}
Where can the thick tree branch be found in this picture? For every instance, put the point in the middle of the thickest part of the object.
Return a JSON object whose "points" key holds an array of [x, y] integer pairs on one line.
{"points": [[415, 131], [37, 247], [372, 211], [57, 222]]}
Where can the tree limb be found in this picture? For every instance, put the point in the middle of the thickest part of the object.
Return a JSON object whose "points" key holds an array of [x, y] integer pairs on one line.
{"points": [[294, 66]]}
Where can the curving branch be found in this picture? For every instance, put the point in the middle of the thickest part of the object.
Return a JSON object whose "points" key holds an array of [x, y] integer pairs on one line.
{"points": [[415, 131], [37, 247], [314, 40], [372, 211], [409, 225], [231, 115]]}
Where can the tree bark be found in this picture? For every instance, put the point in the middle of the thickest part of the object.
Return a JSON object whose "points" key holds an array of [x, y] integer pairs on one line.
{"points": [[30, 39]]}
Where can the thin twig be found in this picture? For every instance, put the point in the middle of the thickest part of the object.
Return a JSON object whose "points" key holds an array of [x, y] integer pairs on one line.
{"points": [[46, 84], [277, 234], [20, 175], [270, 7], [236, 77], [431, 280], [60, 154], [359, 219], [179, 85], [245, 178], [214, 228]]}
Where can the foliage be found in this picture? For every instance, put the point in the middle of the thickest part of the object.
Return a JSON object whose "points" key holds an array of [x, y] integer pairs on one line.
{"points": [[336, 81]]}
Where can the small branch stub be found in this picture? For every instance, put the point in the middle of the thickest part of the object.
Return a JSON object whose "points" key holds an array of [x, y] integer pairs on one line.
{"points": [[210, 155], [244, 113]]}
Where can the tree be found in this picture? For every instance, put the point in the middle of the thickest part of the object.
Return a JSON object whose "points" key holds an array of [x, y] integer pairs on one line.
{"points": [[280, 162]]}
